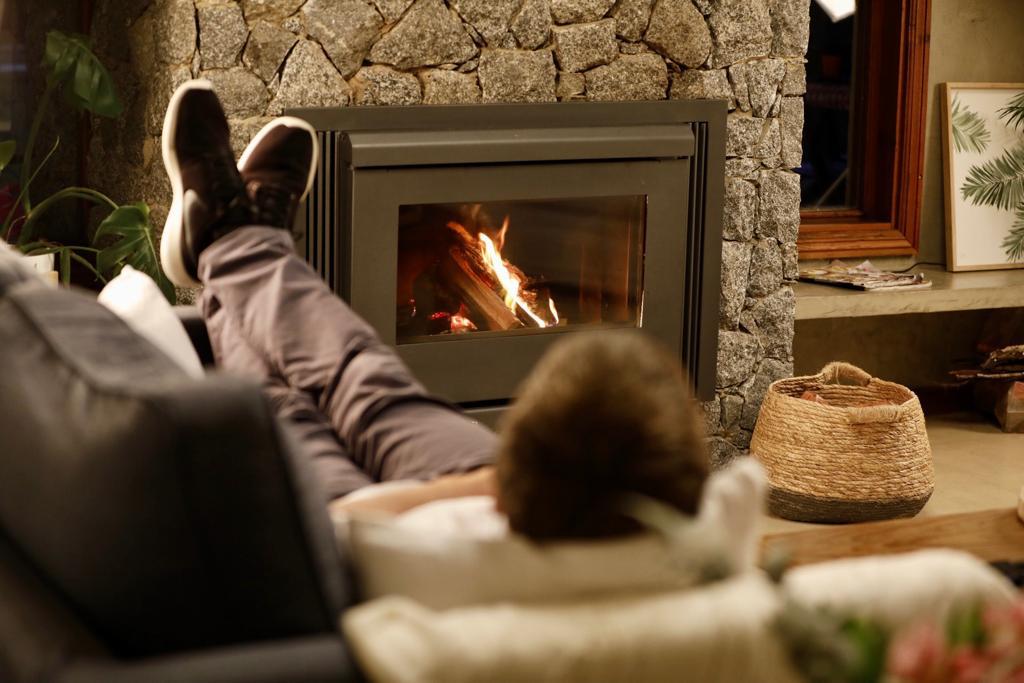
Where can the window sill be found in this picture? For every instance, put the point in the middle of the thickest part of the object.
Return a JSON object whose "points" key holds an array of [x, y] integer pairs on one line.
{"points": [[949, 292]]}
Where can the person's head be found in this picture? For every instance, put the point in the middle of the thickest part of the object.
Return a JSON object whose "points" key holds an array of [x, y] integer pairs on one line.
{"points": [[602, 416]]}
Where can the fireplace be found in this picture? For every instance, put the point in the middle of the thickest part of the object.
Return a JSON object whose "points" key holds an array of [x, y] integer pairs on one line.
{"points": [[472, 237]]}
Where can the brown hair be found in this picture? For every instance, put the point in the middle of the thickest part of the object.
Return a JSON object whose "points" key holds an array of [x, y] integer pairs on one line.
{"points": [[601, 416]]}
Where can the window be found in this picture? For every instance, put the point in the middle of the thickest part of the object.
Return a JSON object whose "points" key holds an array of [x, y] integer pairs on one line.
{"points": [[12, 73], [864, 129]]}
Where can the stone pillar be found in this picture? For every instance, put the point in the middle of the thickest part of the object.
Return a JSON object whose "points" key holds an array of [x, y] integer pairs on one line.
{"points": [[757, 61]]}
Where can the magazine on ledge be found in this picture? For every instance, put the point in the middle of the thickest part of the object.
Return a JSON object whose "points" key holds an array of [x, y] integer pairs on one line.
{"points": [[865, 277]]}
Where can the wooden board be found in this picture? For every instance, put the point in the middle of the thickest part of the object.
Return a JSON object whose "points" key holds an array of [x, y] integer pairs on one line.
{"points": [[991, 535]]}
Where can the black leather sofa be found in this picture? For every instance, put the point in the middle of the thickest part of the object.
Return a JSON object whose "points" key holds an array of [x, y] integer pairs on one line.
{"points": [[152, 527]]}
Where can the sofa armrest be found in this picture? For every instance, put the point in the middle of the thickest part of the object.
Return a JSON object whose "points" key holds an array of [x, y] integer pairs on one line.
{"points": [[316, 659], [195, 326]]}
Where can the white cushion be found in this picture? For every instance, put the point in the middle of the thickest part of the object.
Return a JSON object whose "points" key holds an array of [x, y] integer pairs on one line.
{"points": [[719, 633], [454, 553], [136, 299]]}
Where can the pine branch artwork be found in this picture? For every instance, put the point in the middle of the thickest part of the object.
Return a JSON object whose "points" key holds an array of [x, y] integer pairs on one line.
{"points": [[1013, 245], [969, 131], [998, 182], [1013, 113], [986, 139]]}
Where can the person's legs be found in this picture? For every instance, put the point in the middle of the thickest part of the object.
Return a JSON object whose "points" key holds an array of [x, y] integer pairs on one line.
{"points": [[311, 428], [262, 299], [272, 317]]}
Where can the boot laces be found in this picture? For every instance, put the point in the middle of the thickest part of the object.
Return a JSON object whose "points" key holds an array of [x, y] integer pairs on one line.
{"points": [[273, 204], [227, 189]]}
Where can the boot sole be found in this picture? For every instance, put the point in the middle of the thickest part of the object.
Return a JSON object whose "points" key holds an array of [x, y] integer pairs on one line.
{"points": [[173, 238]]}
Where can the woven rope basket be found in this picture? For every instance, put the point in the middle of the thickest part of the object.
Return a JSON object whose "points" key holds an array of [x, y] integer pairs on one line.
{"points": [[846, 460]]}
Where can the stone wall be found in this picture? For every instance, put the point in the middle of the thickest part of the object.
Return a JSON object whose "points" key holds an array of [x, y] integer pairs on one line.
{"points": [[265, 56]]}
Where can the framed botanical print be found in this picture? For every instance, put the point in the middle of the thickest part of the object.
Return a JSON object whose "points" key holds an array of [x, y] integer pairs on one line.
{"points": [[983, 143]]}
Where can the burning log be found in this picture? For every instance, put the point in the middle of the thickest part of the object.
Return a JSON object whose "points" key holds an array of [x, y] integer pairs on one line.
{"points": [[484, 303], [454, 280]]}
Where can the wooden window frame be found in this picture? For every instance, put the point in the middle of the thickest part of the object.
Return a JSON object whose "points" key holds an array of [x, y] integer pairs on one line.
{"points": [[888, 134]]}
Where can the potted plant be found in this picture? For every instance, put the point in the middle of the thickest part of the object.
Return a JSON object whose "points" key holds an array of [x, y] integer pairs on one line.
{"points": [[124, 236]]}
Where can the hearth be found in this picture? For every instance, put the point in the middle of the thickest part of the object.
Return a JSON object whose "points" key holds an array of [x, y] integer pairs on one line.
{"points": [[471, 237]]}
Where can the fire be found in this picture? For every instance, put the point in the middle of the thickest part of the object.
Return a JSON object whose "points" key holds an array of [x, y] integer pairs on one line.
{"points": [[509, 281], [460, 322]]}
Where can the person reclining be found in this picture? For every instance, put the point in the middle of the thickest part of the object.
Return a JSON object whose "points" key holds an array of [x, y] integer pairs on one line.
{"points": [[601, 416]]}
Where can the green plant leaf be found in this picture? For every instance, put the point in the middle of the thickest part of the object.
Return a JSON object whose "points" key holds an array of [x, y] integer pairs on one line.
{"points": [[134, 246], [22, 198], [113, 258], [38, 249], [969, 132], [1013, 113], [89, 266], [71, 62], [999, 182], [1013, 245], [58, 56], [7, 148], [966, 627], [65, 265], [871, 644], [817, 642]]}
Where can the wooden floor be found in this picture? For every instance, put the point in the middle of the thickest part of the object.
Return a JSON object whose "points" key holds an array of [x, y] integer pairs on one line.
{"points": [[977, 468]]}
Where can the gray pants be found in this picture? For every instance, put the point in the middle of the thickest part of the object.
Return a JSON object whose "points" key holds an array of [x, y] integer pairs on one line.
{"points": [[350, 400]]}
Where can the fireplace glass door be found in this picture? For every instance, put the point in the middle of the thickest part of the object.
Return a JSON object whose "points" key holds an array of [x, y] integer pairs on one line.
{"points": [[518, 267], [473, 272]]}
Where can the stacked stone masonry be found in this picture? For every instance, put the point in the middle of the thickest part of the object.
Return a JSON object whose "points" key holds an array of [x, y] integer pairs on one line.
{"points": [[265, 56]]}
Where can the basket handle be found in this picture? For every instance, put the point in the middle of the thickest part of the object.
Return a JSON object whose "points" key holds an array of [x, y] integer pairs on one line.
{"points": [[886, 414], [839, 372]]}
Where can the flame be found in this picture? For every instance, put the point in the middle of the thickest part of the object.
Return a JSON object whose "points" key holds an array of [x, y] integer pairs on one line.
{"points": [[509, 281], [502, 233], [460, 322]]}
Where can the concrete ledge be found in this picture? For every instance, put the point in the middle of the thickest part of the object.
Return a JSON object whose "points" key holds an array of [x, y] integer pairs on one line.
{"points": [[949, 292]]}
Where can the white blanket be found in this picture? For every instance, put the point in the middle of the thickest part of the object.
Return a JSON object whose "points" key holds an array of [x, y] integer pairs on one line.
{"points": [[722, 632], [456, 553]]}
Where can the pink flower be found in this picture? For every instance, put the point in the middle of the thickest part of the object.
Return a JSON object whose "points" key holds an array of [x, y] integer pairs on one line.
{"points": [[918, 655], [969, 665], [922, 655], [1006, 621], [1004, 628]]}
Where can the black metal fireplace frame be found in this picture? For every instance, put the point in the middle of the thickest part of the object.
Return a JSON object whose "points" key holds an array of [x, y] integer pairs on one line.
{"points": [[375, 159]]}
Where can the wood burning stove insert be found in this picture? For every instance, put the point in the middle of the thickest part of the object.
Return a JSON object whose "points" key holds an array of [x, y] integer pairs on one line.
{"points": [[472, 237]]}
